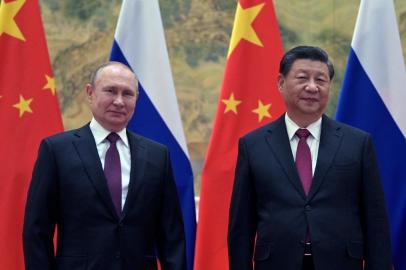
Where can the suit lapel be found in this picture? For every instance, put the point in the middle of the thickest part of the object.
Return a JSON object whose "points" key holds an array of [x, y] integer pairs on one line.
{"points": [[86, 147], [278, 140], [330, 140], [138, 154]]}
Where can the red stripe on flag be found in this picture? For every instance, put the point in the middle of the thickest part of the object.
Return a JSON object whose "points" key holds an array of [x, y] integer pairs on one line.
{"points": [[29, 111]]}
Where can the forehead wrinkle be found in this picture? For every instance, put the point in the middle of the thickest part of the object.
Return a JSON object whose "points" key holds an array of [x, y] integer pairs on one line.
{"points": [[124, 68], [319, 68], [116, 81]]}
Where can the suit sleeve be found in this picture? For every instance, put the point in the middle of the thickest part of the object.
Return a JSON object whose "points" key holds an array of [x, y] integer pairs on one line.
{"points": [[376, 228], [171, 237], [242, 216], [40, 212]]}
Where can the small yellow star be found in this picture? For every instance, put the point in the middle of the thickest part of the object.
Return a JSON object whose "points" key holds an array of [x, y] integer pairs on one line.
{"points": [[51, 85], [23, 105], [242, 28], [231, 104], [262, 110], [7, 23]]}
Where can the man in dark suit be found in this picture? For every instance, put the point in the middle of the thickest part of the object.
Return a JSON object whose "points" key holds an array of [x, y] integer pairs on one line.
{"points": [[307, 193], [109, 192]]}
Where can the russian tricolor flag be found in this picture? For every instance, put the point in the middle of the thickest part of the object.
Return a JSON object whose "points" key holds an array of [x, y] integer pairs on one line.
{"points": [[139, 42], [373, 98]]}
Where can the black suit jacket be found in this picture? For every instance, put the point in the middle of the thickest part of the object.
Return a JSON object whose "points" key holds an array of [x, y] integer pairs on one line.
{"points": [[344, 210], [69, 190]]}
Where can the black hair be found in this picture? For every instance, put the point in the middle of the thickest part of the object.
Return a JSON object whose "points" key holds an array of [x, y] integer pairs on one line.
{"points": [[305, 52]]}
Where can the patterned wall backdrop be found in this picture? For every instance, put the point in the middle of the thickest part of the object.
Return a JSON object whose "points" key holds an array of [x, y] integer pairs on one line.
{"points": [[80, 34]]}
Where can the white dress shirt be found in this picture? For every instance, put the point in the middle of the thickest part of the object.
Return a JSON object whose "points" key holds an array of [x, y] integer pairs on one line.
{"points": [[313, 141], [102, 144]]}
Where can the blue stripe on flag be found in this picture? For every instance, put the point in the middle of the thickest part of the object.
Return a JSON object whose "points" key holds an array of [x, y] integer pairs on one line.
{"points": [[148, 122], [361, 106]]}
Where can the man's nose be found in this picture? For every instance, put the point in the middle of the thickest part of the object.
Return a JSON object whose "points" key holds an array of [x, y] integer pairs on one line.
{"points": [[312, 86], [118, 100]]}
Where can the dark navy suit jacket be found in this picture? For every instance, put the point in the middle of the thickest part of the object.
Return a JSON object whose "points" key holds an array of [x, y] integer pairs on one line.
{"points": [[344, 210], [69, 190]]}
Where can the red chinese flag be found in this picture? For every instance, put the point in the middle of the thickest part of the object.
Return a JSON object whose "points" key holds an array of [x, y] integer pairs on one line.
{"points": [[249, 99], [29, 111]]}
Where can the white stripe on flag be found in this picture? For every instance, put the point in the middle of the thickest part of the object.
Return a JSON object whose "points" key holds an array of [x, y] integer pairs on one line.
{"points": [[376, 22], [148, 56]]}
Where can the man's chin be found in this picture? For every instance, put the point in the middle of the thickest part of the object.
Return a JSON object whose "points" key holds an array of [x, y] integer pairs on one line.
{"points": [[311, 109], [117, 123]]}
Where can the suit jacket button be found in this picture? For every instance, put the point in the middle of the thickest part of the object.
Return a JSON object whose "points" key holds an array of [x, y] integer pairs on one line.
{"points": [[118, 255], [308, 208]]}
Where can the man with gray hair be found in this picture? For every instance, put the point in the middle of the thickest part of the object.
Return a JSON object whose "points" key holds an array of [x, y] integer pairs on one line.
{"points": [[110, 192]]}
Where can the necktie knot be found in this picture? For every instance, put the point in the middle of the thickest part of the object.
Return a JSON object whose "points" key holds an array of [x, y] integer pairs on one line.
{"points": [[302, 133], [113, 137]]}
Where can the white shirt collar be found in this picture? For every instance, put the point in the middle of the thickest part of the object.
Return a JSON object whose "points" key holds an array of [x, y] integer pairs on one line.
{"points": [[100, 133], [314, 128]]}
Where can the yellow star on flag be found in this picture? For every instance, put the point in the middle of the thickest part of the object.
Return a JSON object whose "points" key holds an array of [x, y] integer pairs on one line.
{"points": [[7, 23], [262, 110], [242, 28], [231, 104], [23, 105], [51, 85]]}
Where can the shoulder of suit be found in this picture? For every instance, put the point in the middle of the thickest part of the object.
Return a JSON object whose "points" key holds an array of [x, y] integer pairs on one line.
{"points": [[345, 128], [146, 142], [264, 129], [68, 134], [257, 132]]}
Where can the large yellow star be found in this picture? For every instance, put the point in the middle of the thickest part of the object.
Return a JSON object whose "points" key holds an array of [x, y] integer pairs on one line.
{"points": [[50, 84], [23, 105], [262, 110], [7, 23], [231, 104], [242, 28]]}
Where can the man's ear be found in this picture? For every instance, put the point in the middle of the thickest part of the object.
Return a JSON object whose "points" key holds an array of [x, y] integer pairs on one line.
{"points": [[89, 92], [281, 82]]}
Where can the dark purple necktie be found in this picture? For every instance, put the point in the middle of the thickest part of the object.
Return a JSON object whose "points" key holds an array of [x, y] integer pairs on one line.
{"points": [[112, 171], [304, 159]]}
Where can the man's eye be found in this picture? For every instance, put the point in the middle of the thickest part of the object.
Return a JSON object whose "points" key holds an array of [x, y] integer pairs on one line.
{"points": [[128, 93], [321, 81]]}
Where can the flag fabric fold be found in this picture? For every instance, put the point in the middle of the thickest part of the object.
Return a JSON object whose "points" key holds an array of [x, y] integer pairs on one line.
{"points": [[139, 42], [372, 98], [29, 111], [249, 98]]}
